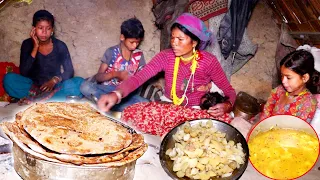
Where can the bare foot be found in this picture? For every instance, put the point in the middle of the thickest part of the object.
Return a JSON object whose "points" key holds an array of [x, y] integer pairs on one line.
{"points": [[24, 101]]}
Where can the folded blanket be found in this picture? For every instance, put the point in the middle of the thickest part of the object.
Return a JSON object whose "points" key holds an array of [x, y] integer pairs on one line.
{"points": [[205, 9]]}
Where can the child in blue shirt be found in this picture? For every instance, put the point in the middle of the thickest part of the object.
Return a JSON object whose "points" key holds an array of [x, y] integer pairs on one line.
{"points": [[117, 64]]}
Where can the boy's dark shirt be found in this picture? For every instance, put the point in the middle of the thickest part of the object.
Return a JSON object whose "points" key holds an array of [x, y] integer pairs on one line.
{"points": [[42, 68]]}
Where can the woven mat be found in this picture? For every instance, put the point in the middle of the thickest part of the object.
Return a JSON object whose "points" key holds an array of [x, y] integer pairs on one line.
{"points": [[205, 9]]}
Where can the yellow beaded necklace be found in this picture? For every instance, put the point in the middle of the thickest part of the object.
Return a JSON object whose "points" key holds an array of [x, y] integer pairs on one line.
{"points": [[175, 98], [300, 94]]}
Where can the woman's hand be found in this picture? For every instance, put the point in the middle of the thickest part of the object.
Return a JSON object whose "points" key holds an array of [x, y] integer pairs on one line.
{"points": [[49, 85], [35, 42], [34, 38], [107, 101], [220, 109]]}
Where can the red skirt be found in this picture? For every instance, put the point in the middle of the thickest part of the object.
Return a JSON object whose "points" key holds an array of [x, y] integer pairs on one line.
{"points": [[159, 118]]}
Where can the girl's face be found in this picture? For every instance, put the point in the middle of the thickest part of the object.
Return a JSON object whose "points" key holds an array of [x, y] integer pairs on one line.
{"points": [[43, 30], [293, 82], [181, 43]]}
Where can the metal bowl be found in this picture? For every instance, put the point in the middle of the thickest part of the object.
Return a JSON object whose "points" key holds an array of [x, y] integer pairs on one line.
{"points": [[282, 121], [30, 167], [231, 134], [246, 106], [73, 99]]}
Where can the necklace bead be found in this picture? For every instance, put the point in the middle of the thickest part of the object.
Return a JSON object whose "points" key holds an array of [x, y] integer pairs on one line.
{"points": [[176, 100]]}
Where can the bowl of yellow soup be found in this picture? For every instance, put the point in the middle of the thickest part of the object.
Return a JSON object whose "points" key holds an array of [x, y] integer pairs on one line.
{"points": [[283, 147]]}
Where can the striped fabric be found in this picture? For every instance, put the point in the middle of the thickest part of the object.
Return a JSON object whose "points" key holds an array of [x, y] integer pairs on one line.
{"points": [[209, 69], [150, 92]]}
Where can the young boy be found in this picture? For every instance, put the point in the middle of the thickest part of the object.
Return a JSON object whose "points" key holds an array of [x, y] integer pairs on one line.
{"points": [[118, 63]]}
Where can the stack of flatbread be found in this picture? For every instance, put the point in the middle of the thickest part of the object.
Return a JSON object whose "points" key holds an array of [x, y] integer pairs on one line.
{"points": [[74, 133]]}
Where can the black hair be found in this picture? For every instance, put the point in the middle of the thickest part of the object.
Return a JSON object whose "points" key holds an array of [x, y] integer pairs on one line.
{"points": [[132, 28], [302, 62], [42, 15], [187, 32], [212, 99]]}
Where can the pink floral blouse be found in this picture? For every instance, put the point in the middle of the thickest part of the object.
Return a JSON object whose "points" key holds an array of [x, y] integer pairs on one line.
{"points": [[303, 106]]}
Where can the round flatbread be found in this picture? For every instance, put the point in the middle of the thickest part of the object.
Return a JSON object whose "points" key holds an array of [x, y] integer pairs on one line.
{"points": [[73, 128], [134, 155], [20, 136]]}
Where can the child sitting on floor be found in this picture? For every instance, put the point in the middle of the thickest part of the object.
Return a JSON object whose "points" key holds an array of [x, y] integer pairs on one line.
{"points": [[118, 63]]}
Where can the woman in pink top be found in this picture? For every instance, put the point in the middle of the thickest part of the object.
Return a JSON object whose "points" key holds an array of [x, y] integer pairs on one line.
{"points": [[187, 68]]}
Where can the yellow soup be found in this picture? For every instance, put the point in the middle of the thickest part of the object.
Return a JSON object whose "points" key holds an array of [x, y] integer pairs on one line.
{"points": [[283, 153]]}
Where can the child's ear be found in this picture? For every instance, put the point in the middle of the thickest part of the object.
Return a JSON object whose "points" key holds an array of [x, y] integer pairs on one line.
{"points": [[122, 38], [305, 77]]}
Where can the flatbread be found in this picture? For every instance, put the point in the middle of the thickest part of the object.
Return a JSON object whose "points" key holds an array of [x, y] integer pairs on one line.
{"points": [[14, 132], [134, 155], [73, 128]]}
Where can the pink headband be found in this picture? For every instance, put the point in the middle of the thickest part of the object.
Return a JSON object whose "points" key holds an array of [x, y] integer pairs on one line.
{"points": [[196, 27]]}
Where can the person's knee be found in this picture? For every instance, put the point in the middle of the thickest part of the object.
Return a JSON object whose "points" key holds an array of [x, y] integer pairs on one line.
{"points": [[137, 99], [9, 79], [85, 88], [78, 80], [142, 99]]}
